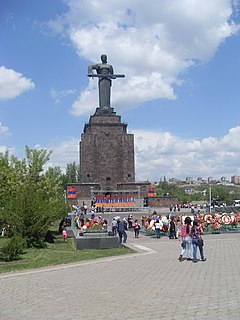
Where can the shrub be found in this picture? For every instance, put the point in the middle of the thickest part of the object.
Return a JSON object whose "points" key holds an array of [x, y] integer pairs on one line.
{"points": [[36, 243], [13, 248]]}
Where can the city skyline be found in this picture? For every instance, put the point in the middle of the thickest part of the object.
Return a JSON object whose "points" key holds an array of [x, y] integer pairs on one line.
{"points": [[223, 179]]}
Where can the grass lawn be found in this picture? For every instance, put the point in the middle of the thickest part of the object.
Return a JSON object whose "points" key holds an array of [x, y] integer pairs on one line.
{"points": [[58, 253]]}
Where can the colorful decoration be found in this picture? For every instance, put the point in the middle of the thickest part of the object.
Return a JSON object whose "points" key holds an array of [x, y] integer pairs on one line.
{"points": [[115, 201], [226, 219], [71, 193], [209, 222], [151, 192]]}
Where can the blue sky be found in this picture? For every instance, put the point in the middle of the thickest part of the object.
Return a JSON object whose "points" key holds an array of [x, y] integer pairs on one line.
{"points": [[180, 96]]}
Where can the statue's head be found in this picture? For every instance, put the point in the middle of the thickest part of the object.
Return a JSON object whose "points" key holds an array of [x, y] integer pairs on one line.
{"points": [[104, 58]]}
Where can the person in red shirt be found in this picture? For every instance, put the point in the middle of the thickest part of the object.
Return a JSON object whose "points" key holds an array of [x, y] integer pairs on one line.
{"points": [[136, 227], [186, 239]]}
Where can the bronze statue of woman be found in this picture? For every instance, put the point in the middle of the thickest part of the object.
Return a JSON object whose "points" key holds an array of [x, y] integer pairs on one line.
{"points": [[105, 76]]}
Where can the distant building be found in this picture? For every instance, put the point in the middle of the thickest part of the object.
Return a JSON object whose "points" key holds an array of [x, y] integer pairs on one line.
{"points": [[173, 181], [210, 179], [189, 180], [235, 179], [223, 180], [189, 190]]}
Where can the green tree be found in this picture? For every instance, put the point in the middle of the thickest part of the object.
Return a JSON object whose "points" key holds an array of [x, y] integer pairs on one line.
{"points": [[34, 198], [166, 189], [72, 173]]}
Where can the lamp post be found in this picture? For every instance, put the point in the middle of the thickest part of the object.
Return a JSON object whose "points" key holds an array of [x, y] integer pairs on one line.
{"points": [[210, 199]]}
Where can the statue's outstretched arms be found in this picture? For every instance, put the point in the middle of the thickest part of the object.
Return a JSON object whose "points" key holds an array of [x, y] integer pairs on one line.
{"points": [[90, 69], [111, 70]]}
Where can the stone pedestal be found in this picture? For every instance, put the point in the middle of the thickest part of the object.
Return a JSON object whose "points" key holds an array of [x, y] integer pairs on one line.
{"points": [[106, 152], [96, 241], [93, 240]]}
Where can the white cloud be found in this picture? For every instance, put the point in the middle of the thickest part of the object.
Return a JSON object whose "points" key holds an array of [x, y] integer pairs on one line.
{"points": [[161, 154], [59, 95], [87, 102], [151, 44], [63, 153], [13, 83], [3, 129]]}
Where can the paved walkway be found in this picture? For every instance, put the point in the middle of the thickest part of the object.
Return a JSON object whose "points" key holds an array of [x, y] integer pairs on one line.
{"points": [[151, 284]]}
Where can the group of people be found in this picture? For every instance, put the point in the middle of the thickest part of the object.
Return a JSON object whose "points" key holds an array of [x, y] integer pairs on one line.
{"points": [[121, 226], [191, 235], [95, 222], [155, 224], [188, 231]]}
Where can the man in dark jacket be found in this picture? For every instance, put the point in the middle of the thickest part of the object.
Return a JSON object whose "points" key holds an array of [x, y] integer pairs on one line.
{"points": [[172, 229], [122, 232]]}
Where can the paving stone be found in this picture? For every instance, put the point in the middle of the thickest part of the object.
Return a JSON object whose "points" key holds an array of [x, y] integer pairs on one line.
{"points": [[151, 284]]}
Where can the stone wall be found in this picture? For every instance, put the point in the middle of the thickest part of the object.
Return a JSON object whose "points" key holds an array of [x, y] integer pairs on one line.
{"points": [[159, 202], [106, 152]]}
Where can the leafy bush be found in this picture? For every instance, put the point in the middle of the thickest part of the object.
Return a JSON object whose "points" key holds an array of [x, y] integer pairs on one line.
{"points": [[13, 248], [36, 243]]}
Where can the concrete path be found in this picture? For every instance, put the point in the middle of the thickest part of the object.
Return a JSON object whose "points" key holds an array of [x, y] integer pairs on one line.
{"points": [[151, 284]]}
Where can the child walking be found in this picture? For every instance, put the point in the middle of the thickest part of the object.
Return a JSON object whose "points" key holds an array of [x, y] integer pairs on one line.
{"points": [[64, 233]]}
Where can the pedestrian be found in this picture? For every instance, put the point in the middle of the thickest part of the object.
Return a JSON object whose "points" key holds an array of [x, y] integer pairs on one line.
{"points": [[130, 221], [197, 241], [185, 234], [49, 237], [114, 227], [92, 212], [125, 223], [64, 233], [172, 229], [179, 227], [136, 228], [122, 232], [157, 228], [85, 209], [143, 220], [60, 227], [75, 224], [81, 220]]}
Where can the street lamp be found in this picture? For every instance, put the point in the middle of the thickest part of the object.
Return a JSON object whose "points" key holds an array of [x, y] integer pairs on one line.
{"points": [[210, 199]]}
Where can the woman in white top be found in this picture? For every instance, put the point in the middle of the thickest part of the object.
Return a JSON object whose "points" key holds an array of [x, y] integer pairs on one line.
{"points": [[157, 228]]}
